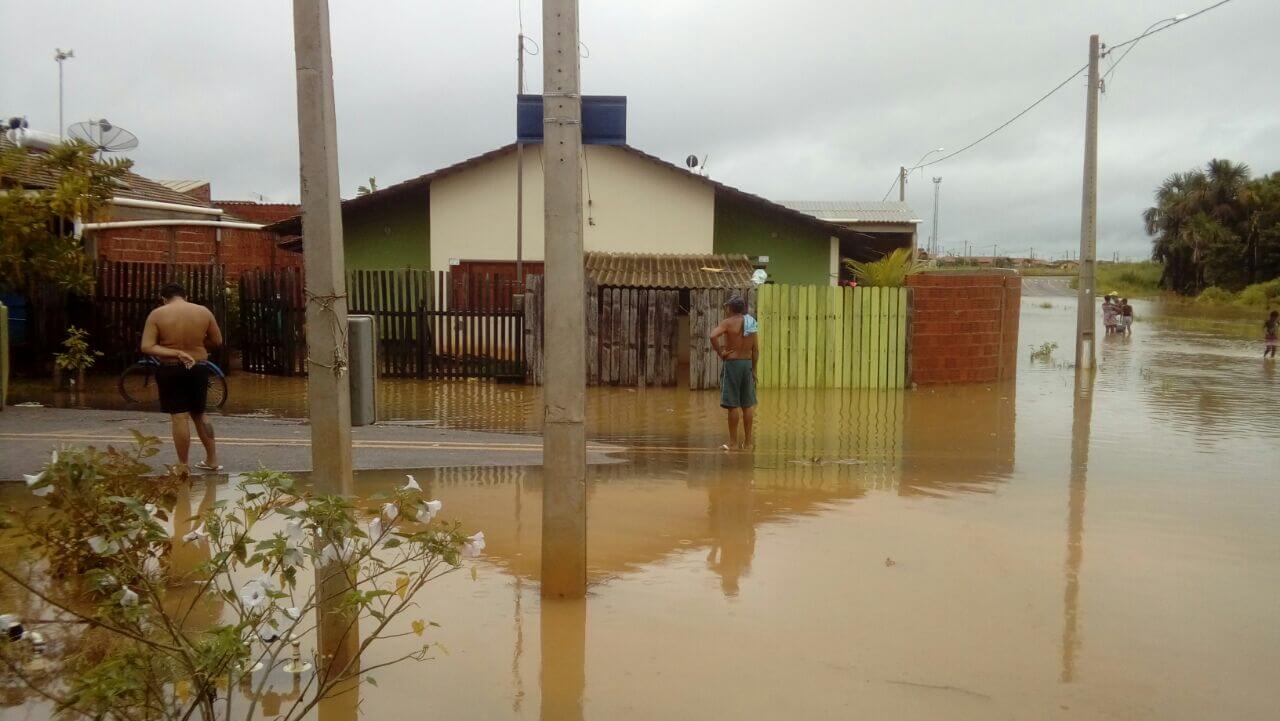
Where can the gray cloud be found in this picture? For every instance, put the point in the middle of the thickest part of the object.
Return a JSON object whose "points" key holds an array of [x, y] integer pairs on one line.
{"points": [[805, 99]]}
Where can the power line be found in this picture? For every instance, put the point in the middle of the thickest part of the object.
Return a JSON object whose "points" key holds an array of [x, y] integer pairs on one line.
{"points": [[1062, 84]]}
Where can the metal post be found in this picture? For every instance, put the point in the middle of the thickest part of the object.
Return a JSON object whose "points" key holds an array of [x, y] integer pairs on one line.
{"points": [[328, 394], [564, 456], [1085, 321]]}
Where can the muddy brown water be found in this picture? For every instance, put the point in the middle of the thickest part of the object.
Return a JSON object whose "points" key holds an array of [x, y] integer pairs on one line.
{"points": [[1025, 550]]}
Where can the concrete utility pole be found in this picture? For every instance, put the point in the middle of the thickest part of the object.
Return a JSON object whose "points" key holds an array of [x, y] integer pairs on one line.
{"points": [[519, 168], [902, 183], [328, 394], [564, 449], [1085, 320], [936, 244]]}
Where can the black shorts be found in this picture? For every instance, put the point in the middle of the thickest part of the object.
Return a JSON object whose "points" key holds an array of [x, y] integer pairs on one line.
{"points": [[182, 390]]}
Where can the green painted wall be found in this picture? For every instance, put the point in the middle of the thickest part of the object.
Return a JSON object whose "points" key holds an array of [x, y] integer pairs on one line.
{"points": [[394, 233], [798, 253]]}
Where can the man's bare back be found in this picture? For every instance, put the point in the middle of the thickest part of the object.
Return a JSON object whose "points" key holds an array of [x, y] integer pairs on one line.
{"points": [[735, 345], [183, 327]]}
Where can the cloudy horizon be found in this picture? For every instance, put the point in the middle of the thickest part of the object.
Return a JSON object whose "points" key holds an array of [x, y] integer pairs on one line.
{"points": [[808, 100]]}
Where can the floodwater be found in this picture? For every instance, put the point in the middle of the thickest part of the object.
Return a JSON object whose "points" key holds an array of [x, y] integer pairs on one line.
{"points": [[1034, 549]]}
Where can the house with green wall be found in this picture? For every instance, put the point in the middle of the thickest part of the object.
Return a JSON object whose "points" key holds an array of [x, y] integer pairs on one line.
{"points": [[467, 217]]}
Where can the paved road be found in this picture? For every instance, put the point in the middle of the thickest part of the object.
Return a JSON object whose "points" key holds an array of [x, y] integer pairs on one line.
{"points": [[28, 434], [1047, 286]]}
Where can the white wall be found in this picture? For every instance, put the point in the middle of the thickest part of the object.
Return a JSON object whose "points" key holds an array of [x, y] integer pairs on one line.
{"points": [[638, 207]]}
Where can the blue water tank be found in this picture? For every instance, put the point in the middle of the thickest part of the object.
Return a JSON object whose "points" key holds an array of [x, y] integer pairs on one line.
{"points": [[604, 119]]}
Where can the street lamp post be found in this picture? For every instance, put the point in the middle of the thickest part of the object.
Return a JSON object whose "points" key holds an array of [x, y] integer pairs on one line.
{"points": [[61, 56], [904, 170]]}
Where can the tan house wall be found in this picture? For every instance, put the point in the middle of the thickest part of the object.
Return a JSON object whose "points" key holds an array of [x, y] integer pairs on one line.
{"points": [[637, 206]]}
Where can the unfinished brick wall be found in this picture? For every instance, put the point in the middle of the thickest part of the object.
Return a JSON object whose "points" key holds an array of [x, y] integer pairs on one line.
{"points": [[241, 249], [964, 326]]}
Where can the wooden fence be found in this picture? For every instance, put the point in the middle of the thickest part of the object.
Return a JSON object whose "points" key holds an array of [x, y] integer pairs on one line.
{"points": [[125, 293], [271, 332], [429, 324], [631, 334], [833, 337], [706, 309]]}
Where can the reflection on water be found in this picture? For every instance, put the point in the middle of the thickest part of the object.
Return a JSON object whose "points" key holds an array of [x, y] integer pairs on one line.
{"points": [[1081, 422]]}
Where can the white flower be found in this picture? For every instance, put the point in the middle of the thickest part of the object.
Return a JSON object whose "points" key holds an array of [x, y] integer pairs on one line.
{"points": [[294, 531], [254, 596], [427, 510], [390, 511], [412, 485], [331, 553], [53, 456], [269, 633], [32, 480], [474, 545], [102, 546], [291, 557], [128, 598], [268, 583], [151, 567], [375, 530], [293, 612], [198, 534], [150, 508]]}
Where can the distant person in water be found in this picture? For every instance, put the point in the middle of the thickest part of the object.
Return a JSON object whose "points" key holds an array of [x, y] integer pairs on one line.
{"points": [[736, 341], [1271, 331], [1109, 313], [1126, 317]]}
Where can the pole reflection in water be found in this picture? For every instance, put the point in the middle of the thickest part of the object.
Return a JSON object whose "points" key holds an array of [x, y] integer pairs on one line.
{"points": [[1082, 417], [564, 659]]}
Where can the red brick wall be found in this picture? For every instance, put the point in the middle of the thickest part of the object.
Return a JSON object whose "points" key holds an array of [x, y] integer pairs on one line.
{"points": [[964, 326], [241, 249], [265, 213]]}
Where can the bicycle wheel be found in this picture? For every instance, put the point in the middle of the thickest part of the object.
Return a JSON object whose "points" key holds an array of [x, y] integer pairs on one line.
{"points": [[138, 384], [217, 386]]}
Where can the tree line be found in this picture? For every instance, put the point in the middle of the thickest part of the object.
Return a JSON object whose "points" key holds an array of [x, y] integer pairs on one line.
{"points": [[1216, 226]]}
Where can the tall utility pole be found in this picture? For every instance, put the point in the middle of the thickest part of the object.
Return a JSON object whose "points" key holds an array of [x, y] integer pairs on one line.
{"points": [[328, 393], [1085, 321], [519, 167], [902, 183], [936, 244], [61, 57], [564, 449]]}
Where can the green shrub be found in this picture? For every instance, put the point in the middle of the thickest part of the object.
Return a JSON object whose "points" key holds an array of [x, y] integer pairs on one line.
{"points": [[1260, 295], [1214, 295], [891, 271]]}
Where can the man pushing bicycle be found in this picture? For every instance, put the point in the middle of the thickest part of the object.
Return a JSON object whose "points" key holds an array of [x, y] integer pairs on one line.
{"points": [[179, 334]]}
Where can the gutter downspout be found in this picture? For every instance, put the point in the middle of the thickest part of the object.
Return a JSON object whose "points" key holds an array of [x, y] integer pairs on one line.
{"points": [[157, 205]]}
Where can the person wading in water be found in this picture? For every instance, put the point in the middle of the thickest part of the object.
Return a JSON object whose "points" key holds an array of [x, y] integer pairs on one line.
{"points": [[179, 334], [736, 341]]}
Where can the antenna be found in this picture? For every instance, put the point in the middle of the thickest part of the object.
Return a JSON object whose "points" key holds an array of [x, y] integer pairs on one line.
{"points": [[104, 136]]}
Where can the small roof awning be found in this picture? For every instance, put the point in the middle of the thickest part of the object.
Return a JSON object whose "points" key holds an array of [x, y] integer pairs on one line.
{"points": [[653, 270]]}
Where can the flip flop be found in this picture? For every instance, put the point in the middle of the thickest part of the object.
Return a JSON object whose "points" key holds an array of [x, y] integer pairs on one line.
{"points": [[204, 466]]}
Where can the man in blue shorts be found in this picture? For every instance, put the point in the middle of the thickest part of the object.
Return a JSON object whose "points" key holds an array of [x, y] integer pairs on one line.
{"points": [[736, 341]]}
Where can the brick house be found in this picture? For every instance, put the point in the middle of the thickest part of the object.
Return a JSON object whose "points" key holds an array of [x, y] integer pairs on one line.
{"points": [[177, 222]]}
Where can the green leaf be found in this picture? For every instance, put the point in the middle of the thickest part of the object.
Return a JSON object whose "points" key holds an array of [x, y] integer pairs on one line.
{"points": [[370, 680]]}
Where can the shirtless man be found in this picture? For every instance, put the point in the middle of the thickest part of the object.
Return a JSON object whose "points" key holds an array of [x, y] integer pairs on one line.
{"points": [[178, 334], [735, 340]]}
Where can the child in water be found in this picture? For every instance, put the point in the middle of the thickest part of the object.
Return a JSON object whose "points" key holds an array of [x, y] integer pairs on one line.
{"points": [[1271, 329], [1126, 317]]}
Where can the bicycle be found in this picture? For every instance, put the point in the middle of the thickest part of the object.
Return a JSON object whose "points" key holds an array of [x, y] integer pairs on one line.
{"points": [[138, 384]]}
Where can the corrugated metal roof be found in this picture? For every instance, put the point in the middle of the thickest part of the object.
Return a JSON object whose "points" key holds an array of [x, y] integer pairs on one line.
{"points": [[855, 211], [651, 270], [131, 185]]}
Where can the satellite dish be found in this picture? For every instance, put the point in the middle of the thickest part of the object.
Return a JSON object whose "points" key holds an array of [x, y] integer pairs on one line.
{"points": [[104, 136]]}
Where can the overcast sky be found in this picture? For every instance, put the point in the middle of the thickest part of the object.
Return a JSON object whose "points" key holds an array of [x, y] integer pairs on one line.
{"points": [[802, 99]]}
